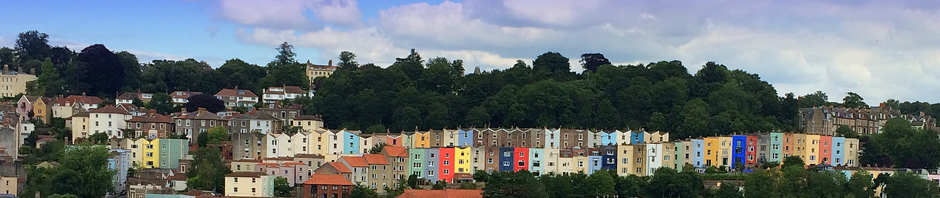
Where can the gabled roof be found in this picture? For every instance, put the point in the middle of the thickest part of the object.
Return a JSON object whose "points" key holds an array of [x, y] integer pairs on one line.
{"points": [[321, 179], [185, 94], [30, 99], [375, 159], [128, 96], [356, 161], [152, 117], [396, 151], [82, 99], [308, 117], [245, 174], [109, 109], [236, 92], [286, 89], [339, 167]]}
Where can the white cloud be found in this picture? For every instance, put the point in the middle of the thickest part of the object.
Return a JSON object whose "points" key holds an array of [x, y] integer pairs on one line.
{"points": [[878, 49], [289, 14]]}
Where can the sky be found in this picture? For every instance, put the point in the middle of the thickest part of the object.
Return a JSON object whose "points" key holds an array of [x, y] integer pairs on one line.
{"points": [[879, 49]]}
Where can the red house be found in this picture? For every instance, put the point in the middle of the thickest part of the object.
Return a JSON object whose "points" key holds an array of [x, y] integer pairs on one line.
{"points": [[521, 159], [751, 152], [327, 186], [447, 161], [825, 149]]}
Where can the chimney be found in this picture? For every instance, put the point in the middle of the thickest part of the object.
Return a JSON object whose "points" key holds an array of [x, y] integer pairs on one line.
{"points": [[6, 69], [331, 63]]}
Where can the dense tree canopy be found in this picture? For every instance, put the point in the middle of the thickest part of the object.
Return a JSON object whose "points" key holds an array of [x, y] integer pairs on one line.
{"points": [[901, 145], [102, 67], [210, 102]]}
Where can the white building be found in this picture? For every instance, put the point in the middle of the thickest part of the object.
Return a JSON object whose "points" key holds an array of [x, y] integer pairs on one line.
{"points": [[275, 94], [109, 120]]}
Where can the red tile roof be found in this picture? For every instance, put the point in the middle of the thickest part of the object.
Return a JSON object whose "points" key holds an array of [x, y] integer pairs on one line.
{"points": [[236, 92], [339, 167], [320, 179], [375, 159], [128, 96], [245, 174], [83, 99], [356, 161], [396, 151], [447, 193], [152, 118]]}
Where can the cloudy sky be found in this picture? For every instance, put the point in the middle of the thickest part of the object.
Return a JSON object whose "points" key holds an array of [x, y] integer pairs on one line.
{"points": [[879, 49]]}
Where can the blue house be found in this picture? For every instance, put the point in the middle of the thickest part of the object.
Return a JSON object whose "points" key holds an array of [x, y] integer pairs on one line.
{"points": [[506, 156], [350, 141], [637, 137], [536, 160], [699, 153], [431, 166], [838, 151], [738, 150], [608, 138], [465, 137], [609, 157], [552, 138], [594, 164]]}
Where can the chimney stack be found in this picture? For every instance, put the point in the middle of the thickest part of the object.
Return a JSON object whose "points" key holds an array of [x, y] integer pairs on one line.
{"points": [[6, 69], [331, 63]]}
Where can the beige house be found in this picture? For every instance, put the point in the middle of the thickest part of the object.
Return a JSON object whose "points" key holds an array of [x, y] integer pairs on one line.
{"points": [[308, 123], [249, 184], [314, 71], [13, 83], [9, 185]]}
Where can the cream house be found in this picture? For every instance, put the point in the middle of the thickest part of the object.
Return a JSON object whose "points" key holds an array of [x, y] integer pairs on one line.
{"points": [[249, 184], [109, 120]]}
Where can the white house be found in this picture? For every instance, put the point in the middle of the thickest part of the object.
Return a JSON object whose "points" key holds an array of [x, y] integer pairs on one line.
{"points": [[274, 94], [108, 119]]}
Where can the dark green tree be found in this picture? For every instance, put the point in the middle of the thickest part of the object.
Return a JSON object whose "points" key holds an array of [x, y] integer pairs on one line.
{"points": [[208, 171], [102, 66], [906, 184], [162, 103], [729, 190], [846, 131], [361, 191], [132, 71], [282, 187], [815, 99], [217, 135], [32, 45], [853, 100], [603, 185], [210, 102]]}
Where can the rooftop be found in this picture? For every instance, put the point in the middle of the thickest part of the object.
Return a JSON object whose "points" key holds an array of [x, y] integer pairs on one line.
{"points": [[320, 179]]}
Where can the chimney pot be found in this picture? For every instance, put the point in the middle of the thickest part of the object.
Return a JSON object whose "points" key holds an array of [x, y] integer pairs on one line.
{"points": [[331, 63]]}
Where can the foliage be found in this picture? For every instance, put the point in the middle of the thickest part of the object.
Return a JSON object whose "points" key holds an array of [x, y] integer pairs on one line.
{"points": [[49, 82], [162, 103], [815, 99], [208, 172], [210, 102], [82, 171], [377, 149], [590, 61], [32, 45], [513, 184], [667, 183], [846, 131], [361, 191], [729, 190], [904, 184], [285, 70], [439, 185], [202, 140], [603, 183], [853, 100], [793, 161], [99, 138], [901, 145], [468, 185], [217, 135], [413, 181], [282, 187], [102, 65]]}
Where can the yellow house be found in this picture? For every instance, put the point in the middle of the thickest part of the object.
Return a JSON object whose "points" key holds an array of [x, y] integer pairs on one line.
{"points": [[463, 160], [137, 156], [639, 160], [712, 151], [669, 156], [42, 109], [308, 123], [422, 139], [725, 149], [811, 150], [625, 161], [8, 185], [320, 143], [79, 126], [151, 153], [799, 142], [580, 164], [244, 165]]}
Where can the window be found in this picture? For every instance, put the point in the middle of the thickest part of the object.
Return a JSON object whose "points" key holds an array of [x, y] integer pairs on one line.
{"points": [[236, 189], [505, 163]]}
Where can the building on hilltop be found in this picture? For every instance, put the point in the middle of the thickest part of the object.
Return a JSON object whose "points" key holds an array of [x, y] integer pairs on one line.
{"points": [[276, 94], [14, 83], [237, 98]]}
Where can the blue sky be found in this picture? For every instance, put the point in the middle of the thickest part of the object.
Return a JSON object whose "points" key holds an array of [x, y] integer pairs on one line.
{"points": [[879, 49]]}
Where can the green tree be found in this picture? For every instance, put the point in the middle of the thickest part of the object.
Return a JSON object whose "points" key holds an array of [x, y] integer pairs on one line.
{"points": [[208, 171], [32, 45], [63, 196], [695, 115], [815, 99], [361, 191], [347, 61], [603, 184], [203, 139], [82, 171], [894, 104], [217, 135], [513, 184], [846, 131], [377, 149], [894, 146], [657, 122], [439, 185], [413, 181], [99, 138], [860, 185], [906, 184], [853, 100], [211, 103], [6, 56], [285, 70], [282, 187], [132, 71], [102, 66], [49, 82], [729, 190], [793, 161], [551, 62], [763, 184], [162, 103], [667, 183]]}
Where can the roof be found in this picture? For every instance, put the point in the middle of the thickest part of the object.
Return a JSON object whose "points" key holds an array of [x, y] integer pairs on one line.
{"points": [[109, 109], [308, 117], [152, 118], [31, 99], [375, 159], [321, 179], [339, 167], [184, 94], [304, 155], [396, 151], [82, 99], [286, 89], [236, 92], [245, 174], [356, 161], [128, 96], [447, 193]]}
